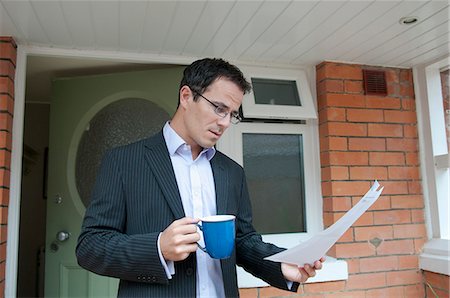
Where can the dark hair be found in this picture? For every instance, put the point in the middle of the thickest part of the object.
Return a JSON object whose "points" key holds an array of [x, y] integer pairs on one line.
{"points": [[202, 73]]}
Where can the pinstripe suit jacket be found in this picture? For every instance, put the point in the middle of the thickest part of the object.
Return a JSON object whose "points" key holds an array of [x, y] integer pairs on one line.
{"points": [[136, 197]]}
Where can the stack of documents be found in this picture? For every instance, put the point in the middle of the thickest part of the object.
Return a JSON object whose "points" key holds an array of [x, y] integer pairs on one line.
{"points": [[316, 247]]}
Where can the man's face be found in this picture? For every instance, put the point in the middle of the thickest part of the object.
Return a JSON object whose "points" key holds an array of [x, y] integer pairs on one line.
{"points": [[203, 126]]}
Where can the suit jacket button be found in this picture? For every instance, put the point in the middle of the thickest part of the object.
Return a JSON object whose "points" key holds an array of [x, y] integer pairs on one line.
{"points": [[189, 271], [153, 278]]}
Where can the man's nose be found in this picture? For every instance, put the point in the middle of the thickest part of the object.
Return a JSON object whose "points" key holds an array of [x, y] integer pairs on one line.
{"points": [[225, 121]]}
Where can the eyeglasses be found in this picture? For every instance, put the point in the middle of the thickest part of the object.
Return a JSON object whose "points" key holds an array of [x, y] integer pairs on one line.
{"points": [[222, 111]]}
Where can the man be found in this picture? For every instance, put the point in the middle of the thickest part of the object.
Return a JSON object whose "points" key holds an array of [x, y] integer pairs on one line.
{"points": [[140, 225]]}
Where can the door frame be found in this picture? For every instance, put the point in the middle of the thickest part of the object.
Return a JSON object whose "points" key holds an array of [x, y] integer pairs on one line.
{"points": [[23, 51]]}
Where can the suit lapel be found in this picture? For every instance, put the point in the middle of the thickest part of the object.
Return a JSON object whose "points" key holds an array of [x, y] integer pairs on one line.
{"points": [[159, 161], [221, 183]]}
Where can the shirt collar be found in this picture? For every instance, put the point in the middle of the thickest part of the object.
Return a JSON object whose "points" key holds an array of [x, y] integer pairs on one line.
{"points": [[174, 142]]}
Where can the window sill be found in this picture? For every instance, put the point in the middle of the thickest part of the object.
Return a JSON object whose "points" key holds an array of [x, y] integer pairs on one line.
{"points": [[436, 256], [332, 270]]}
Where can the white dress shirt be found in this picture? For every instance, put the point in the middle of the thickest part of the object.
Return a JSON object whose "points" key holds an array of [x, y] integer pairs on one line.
{"points": [[196, 185]]}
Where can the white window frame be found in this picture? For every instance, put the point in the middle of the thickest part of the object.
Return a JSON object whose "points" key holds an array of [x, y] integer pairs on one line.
{"points": [[435, 170], [264, 111], [231, 145]]}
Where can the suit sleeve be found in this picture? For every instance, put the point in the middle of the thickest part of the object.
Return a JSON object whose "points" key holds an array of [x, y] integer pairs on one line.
{"points": [[251, 249], [103, 245]]}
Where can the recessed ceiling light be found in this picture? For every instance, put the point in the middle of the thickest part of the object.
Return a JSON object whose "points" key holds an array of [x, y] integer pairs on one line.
{"points": [[408, 20]]}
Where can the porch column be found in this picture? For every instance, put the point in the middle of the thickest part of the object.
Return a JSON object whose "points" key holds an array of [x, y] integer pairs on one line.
{"points": [[362, 138], [8, 49]]}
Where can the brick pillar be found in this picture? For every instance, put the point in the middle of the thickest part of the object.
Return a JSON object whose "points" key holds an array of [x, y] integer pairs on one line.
{"points": [[7, 73], [363, 138]]}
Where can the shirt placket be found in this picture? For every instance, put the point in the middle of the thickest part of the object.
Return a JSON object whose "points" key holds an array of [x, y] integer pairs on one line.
{"points": [[196, 188], [197, 208]]}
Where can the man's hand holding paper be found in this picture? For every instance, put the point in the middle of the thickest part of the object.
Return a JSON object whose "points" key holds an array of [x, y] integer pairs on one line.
{"points": [[301, 274]]}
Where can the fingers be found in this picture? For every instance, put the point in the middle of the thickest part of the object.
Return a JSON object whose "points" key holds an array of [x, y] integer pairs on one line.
{"points": [[186, 238], [184, 222], [310, 271], [318, 265], [303, 275], [179, 239]]}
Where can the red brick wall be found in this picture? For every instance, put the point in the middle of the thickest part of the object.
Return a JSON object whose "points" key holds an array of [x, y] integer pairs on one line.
{"points": [[7, 72], [363, 138], [437, 285]]}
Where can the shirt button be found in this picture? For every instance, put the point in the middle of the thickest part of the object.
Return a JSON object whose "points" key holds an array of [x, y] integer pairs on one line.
{"points": [[189, 271]]}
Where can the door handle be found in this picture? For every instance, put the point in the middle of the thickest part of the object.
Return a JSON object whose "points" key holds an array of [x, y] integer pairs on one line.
{"points": [[62, 236]]}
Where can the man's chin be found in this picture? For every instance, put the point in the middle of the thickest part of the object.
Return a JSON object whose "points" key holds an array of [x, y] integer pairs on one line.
{"points": [[210, 143]]}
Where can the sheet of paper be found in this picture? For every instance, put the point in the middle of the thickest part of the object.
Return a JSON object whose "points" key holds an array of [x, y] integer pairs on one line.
{"points": [[316, 247]]}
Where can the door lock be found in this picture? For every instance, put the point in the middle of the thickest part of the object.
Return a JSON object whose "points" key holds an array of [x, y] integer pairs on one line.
{"points": [[58, 199], [62, 236]]}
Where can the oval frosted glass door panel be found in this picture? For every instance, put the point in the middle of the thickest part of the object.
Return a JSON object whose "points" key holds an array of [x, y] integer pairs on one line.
{"points": [[275, 175], [119, 123]]}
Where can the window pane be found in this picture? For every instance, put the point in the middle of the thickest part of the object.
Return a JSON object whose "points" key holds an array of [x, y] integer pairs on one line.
{"points": [[274, 168], [275, 92]]}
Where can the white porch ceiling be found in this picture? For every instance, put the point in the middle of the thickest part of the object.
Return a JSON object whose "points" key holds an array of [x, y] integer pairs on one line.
{"points": [[294, 33]]}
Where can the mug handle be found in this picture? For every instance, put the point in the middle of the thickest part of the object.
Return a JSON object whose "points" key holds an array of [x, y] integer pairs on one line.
{"points": [[199, 246]]}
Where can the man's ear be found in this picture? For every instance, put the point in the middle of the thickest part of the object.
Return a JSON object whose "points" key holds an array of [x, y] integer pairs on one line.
{"points": [[185, 95]]}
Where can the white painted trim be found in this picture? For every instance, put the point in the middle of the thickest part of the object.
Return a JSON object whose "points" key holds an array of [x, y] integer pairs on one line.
{"points": [[109, 55], [426, 169], [435, 256], [12, 245], [439, 144], [435, 103], [134, 57], [435, 181], [251, 109], [442, 161]]}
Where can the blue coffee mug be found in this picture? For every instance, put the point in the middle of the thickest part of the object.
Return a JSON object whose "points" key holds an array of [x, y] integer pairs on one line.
{"points": [[218, 234]]}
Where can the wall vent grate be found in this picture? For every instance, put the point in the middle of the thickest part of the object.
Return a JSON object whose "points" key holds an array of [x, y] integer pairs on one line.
{"points": [[375, 82]]}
